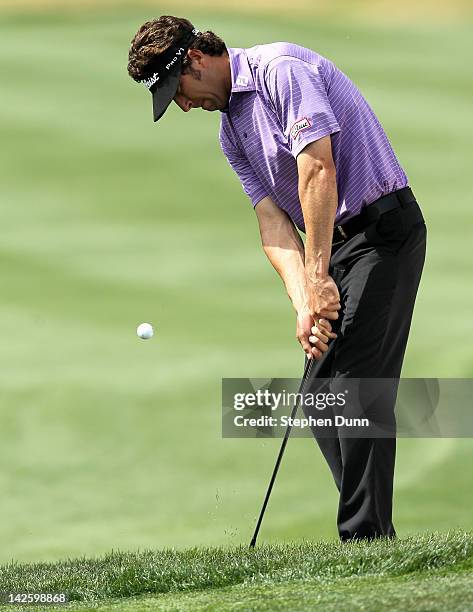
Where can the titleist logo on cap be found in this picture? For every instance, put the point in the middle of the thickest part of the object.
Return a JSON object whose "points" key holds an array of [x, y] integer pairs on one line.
{"points": [[152, 80]]}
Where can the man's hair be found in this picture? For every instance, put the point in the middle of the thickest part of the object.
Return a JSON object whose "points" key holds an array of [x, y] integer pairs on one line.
{"points": [[154, 37]]}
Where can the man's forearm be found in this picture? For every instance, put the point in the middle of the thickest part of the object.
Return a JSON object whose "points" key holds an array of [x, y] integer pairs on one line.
{"points": [[318, 196], [285, 250]]}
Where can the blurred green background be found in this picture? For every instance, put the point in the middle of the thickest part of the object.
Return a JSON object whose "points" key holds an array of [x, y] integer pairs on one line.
{"points": [[107, 221]]}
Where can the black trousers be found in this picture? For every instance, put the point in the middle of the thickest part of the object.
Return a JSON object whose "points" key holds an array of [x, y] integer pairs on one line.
{"points": [[377, 272]]}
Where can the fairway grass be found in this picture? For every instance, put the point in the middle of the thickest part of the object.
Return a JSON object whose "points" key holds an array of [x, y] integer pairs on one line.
{"points": [[420, 591], [401, 11], [433, 570]]}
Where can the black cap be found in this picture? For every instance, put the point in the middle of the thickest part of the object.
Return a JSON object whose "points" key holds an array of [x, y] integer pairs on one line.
{"points": [[165, 73]]}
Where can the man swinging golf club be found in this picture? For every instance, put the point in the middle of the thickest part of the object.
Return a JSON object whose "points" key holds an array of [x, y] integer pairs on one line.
{"points": [[313, 158]]}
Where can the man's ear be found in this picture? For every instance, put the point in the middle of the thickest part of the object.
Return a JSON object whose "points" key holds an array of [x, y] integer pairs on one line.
{"points": [[196, 56]]}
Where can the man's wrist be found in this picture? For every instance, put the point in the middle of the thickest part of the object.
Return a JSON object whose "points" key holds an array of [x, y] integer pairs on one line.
{"points": [[300, 303], [316, 269]]}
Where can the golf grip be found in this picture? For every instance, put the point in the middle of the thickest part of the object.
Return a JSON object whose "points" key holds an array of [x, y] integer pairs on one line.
{"points": [[280, 455]]}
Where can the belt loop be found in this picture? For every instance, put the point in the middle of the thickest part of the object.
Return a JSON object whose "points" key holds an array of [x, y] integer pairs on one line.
{"points": [[405, 196], [399, 198]]}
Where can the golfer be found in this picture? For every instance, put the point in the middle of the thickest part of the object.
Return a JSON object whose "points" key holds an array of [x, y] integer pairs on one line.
{"points": [[313, 158]]}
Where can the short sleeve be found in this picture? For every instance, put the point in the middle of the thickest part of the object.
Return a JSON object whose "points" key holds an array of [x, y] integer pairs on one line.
{"points": [[249, 181], [297, 93]]}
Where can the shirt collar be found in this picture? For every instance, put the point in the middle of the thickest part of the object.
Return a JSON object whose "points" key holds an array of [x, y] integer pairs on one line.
{"points": [[242, 77]]}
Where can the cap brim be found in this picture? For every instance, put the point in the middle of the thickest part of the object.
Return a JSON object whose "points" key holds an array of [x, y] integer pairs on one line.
{"points": [[164, 94]]}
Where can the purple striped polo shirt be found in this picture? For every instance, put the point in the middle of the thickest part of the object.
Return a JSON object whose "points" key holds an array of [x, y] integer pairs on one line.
{"points": [[284, 97]]}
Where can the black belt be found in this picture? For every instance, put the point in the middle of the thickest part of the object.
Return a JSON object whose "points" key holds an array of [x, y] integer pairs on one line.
{"points": [[371, 213]]}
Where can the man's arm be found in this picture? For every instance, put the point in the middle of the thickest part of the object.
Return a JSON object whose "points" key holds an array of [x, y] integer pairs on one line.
{"points": [[319, 199], [285, 250]]}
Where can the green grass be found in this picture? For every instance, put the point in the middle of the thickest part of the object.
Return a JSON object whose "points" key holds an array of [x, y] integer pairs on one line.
{"points": [[107, 442], [268, 577]]}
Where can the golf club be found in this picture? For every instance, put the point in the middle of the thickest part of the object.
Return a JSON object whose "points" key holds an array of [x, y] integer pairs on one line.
{"points": [[337, 274], [281, 453]]}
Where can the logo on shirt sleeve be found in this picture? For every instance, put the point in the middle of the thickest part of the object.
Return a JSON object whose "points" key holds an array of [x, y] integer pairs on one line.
{"points": [[299, 126]]}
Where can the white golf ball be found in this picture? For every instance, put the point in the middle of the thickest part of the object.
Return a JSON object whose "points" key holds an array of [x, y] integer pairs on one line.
{"points": [[145, 331]]}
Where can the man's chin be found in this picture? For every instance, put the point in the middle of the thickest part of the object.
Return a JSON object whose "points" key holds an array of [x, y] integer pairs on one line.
{"points": [[214, 105]]}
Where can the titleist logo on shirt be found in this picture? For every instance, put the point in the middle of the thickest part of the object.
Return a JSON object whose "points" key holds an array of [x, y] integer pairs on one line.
{"points": [[299, 125]]}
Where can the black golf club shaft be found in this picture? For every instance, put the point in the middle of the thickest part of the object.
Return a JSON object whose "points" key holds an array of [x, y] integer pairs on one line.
{"points": [[280, 456]]}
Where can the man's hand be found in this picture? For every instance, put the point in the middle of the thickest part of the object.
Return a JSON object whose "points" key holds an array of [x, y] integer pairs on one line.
{"points": [[305, 322], [323, 297], [321, 334], [313, 336]]}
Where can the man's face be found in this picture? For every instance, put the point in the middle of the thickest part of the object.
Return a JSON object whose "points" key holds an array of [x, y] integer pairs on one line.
{"points": [[205, 84]]}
